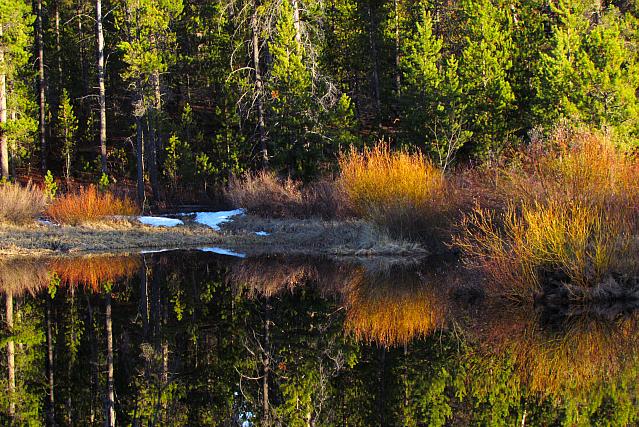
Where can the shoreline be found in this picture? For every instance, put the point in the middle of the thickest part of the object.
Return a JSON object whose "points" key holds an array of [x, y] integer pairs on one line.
{"points": [[250, 235]]}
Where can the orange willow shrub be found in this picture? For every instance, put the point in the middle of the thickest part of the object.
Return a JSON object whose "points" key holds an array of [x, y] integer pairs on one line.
{"points": [[94, 271], [570, 209], [400, 191], [89, 205]]}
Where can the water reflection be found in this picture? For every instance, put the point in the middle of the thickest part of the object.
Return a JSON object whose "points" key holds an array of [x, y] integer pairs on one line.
{"points": [[180, 338]]}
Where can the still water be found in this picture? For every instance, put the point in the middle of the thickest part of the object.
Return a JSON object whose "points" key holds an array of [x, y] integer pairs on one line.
{"points": [[194, 338]]}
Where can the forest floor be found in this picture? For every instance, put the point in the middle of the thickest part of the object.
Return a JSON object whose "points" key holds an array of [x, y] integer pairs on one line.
{"points": [[246, 234]]}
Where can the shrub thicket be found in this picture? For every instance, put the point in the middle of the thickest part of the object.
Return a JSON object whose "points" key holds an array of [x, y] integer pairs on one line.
{"points": [[89, 205]]}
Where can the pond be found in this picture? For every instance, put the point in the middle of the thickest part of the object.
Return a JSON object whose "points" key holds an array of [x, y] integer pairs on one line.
{"points": [[202, 338]]}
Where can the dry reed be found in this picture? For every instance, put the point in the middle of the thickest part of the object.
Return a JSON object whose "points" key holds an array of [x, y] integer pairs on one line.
{"points": [[20, 204]]}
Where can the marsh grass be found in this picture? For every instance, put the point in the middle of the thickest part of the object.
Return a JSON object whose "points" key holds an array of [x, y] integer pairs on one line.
{"points": [[569, 207], [89, 205], [403, 192], [21, 204]]}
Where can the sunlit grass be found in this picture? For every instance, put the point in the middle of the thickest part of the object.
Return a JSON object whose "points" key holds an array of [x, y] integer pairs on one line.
{"points": [[89, 205]]}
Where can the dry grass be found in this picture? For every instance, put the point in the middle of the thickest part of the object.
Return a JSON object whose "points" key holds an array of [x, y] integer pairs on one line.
{"points": [[400, 191], [20, 204], [266, 195], [89, 205], [570, 207]]}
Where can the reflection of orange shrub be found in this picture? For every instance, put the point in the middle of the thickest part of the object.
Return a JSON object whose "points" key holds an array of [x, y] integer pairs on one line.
{"points": [[584, 354], [94, 271], [89, 205], [393, 310]]}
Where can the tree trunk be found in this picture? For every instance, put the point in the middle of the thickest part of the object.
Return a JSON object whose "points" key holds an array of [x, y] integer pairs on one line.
{"points": [[296, 22], [373, 47], [11, 362], [58, 47], [139, 152], [398, 75], [110, 401], [102, 95], [4, 143], [261, 127], [266, 366], [41, 86], [83, 64], [153, 137], [49, 364]]}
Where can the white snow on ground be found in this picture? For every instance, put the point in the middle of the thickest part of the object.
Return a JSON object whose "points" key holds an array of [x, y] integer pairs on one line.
{"points": [[157, 251], [262, 233], [223, 252], [158, 221], [47, 222], [214, 219]]}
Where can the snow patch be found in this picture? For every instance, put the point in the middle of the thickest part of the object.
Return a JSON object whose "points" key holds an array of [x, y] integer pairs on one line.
{"points": [[214, 219], [262, 233], [222, 251], [159, 221], [157, 251]]}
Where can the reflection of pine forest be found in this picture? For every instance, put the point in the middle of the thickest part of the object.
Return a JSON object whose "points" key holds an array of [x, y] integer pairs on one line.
{"points": [[209, 340]]}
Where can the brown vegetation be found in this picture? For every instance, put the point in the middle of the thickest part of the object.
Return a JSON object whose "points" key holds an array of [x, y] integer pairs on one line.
{"points": [[581, 353], [266, 195], [20, 204], [94, 271]]}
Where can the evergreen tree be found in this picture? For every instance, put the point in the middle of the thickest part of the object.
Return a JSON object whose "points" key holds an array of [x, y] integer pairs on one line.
{"points": [[484, 67]]}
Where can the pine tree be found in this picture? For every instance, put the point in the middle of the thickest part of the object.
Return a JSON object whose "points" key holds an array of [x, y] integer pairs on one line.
{"points": [[484, 67], [148, 51], [67, 129], [591, 75]]}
